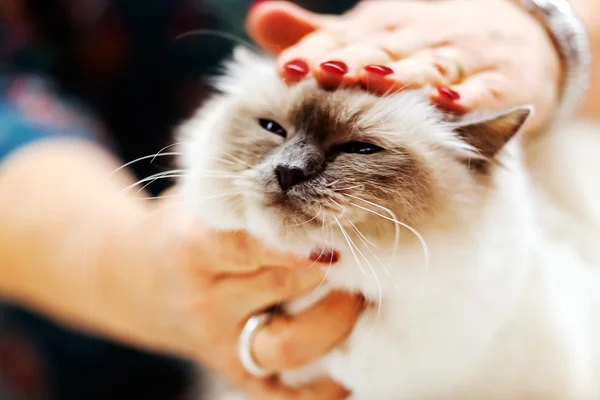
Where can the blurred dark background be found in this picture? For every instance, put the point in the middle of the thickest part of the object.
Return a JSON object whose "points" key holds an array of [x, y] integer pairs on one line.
{"points": [[119, 58]]}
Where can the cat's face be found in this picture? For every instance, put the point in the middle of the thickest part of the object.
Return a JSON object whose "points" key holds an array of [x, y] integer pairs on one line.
{"points": [[302, 162]]}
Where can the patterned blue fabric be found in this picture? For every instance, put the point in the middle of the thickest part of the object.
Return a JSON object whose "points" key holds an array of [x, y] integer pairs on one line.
{"points": [[15, 132], [30, 111]]}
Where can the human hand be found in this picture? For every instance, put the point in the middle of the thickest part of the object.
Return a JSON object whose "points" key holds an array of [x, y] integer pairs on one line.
{"points": [[196, 288], [470, 54]]}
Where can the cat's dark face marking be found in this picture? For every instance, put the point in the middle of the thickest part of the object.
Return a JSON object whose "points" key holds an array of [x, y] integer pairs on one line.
{"points": [[327, 152]]}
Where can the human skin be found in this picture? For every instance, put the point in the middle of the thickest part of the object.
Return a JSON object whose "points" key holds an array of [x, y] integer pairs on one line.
{"points": [[77, 247], [507, 57]]}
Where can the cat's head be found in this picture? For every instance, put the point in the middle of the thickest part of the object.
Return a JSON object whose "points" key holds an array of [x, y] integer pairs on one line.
{"points": [[300, 164]]}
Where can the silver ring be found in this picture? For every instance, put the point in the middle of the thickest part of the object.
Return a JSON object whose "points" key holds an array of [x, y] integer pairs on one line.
{"points": [[245, 345]]}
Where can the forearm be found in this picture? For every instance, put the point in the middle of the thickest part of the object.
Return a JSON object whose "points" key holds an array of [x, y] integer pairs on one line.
{"points": [[59, 211], [589, 12]]}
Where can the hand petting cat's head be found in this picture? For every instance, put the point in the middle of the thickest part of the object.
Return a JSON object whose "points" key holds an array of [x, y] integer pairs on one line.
{"points": [[300, 165]]}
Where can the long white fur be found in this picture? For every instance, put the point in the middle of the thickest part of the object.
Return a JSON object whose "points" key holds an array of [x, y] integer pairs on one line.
{"points": [[514, 316]]}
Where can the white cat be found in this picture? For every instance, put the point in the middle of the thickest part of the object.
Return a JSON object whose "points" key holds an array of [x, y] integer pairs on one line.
{"points": [[482, 279]]}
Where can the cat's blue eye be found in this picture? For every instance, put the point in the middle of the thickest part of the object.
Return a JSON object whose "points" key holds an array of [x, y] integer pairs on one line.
{"points": [[358, 148], [272, 127]]}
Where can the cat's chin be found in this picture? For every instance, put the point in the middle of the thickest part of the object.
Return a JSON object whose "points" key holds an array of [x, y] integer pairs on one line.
{"points": [[255, 219], [266, 225], [220, 216]]}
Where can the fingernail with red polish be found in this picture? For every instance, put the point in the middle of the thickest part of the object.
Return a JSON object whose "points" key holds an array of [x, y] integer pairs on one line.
{"points": [[380, 70], [324, 256], [448, 94], [335, 67], [296, 68], [256, 3]]}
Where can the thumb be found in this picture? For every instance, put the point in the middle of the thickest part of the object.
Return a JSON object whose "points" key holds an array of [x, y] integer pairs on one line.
{"points": [[277, 25]]}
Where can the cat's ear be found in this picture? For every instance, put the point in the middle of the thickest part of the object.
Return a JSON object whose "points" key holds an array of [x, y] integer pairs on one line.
{"points": [[488, 134]]}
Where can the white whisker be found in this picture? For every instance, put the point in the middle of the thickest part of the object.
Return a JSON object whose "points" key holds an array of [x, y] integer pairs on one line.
{"points": [[349, 188], [164, 148], [330, 260], [161, 175], [152, 156], [391, 213], [229, 162], [360, 234], [222, 34], [154, 180], [343, 209], [219, 195], [351, 245], [410, 228], [308, 221], [237, 159], [377, 282], [240, 203], [332, 183], [387, 272], [371, 268]]}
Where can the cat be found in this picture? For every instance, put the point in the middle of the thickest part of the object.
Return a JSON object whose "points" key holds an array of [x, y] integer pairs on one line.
{"points": [[479, 280]]}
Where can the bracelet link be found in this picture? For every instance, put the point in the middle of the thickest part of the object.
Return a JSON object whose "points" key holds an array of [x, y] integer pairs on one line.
{"points": [[572, 43]]}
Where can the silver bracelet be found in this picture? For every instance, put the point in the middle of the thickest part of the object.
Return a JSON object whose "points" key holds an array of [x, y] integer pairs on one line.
{"points": [[572, 43]]}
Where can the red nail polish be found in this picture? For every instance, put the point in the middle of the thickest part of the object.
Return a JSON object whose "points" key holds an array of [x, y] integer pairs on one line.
{"points": [[256, 3], [327, 256], [380, 70], [448, 94], [296, 68], [335, 67]]}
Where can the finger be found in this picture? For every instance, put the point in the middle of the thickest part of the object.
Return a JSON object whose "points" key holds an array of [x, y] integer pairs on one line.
{"points": [[224, 252], [221, 252], [273, 389], [325, 389], [268, 257], [298, 61], [433, 67], [265, 288], [411, 73], [289, 342], [268, 389], [487, 90], [277, 25], [354, 57]]}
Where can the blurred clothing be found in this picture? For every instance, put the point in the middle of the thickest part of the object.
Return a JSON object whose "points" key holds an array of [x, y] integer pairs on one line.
{"points": [[111, 71]]}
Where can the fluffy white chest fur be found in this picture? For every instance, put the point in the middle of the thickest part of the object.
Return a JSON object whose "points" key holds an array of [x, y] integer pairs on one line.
{"points": [[482, 276]]}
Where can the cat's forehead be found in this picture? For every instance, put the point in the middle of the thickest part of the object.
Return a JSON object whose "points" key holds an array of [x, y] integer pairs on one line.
{"points": [[404, 118], [325, 115]]}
